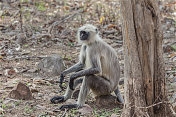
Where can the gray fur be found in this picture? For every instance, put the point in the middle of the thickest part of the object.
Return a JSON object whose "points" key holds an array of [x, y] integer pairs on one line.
{"points": [[101, 67]]}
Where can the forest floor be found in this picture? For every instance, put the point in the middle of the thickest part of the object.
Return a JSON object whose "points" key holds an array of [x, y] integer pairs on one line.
{"points": [[50, 28]]}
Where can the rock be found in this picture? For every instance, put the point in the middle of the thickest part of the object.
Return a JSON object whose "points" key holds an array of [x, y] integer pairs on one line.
{"points": [[21, 91], [108, 101], [86, 109], [51, 65]]}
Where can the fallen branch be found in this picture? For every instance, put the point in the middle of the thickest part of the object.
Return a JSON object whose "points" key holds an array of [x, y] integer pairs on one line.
{"points": [[26, 57], [21, 17]]}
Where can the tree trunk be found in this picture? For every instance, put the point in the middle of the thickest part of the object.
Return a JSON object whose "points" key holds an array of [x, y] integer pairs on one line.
{"points": [[144, 65]]}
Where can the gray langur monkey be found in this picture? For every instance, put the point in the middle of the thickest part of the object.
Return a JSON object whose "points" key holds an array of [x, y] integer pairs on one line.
{"points": [[99, 65]]}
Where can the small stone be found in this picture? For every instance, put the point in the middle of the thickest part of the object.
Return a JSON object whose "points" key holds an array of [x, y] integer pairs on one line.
{"points": [[86, 109], [33, 70], [40, 95], [21, 91]]}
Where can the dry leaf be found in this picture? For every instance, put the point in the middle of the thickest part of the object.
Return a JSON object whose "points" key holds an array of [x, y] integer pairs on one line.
{"points": [[102, 19], [173, 54], [112, 26]]}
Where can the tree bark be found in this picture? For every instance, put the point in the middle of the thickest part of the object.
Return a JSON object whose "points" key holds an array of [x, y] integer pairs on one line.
{"points": [[144, 65]]}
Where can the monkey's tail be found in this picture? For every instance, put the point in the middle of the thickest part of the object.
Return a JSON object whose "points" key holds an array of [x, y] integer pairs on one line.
{"points": [[61, 81]]}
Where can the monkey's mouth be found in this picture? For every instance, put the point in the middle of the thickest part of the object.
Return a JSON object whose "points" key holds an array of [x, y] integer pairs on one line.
{"points": [[84, 35]]}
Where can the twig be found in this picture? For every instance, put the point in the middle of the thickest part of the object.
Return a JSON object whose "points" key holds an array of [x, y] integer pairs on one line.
{"points": [[152, 105], [138, 108], [21, 18], [64, 113], [27, 57]]}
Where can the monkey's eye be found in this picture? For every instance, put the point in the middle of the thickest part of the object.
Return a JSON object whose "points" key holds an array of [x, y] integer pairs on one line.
{"points": [[82, 32]]}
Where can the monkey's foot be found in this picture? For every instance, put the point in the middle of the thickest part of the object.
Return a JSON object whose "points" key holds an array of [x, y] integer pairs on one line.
{"points": [[69, 106], [71, 83], [57, 99]]}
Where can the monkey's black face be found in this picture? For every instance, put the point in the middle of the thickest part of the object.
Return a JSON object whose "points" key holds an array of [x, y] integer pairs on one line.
{"points": [[84, 35]]}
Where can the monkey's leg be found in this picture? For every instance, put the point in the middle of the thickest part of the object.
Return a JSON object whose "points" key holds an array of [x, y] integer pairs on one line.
{"points": [[83, 92], [99, 86], [76, 67], [81, 98], [119, 97], [67, 95]]}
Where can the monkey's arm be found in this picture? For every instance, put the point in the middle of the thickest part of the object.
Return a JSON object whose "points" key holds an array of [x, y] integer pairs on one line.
{"points": [[79, 65], [95, 69], [76, 67], [73, 68], [85, 72]]}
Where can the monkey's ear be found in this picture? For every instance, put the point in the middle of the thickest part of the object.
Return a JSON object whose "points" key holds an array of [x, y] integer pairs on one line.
{"points": [[96, 31]]}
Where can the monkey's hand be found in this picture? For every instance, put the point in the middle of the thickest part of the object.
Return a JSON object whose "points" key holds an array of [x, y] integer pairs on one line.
{"points": [[71, 83], [69, 106], [61, 80], [57, 99]]}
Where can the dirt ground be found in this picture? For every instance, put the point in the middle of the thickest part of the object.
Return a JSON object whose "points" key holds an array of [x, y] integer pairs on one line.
{"points": [[50, 28]]}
